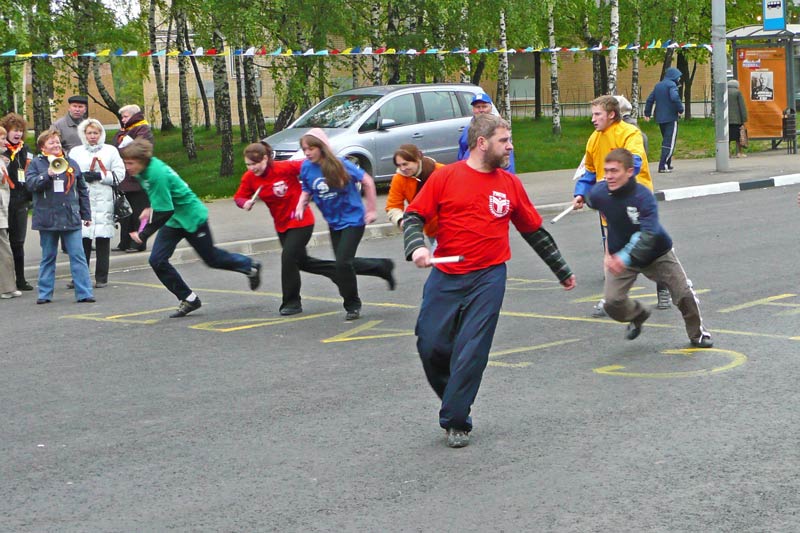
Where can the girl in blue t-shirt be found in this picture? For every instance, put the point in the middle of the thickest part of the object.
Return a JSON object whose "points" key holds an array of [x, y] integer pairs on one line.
{"points": [[333, 185]]}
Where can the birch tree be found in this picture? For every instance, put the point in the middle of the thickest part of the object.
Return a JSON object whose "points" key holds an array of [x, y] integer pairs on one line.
{"points": [[613, 44], [554, 91], [503, 92], [187, 127], [161, 91]]}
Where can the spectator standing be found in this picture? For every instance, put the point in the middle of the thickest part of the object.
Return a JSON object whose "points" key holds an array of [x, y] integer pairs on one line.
{"points": [[134, 126], [332, 183], [67, 126], [8, 287], [668, 109], [176, 213], [474, 200], [15, 150], [637, 243], [99, 163], [481, 105], [60, 207], [737, 116]]}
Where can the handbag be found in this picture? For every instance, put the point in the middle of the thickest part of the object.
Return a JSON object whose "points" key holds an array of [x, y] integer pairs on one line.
{"points": [[743, 140], [122, 207]]}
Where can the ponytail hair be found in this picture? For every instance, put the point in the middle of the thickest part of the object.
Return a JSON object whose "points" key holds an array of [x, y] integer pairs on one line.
{"points": [[336, 177]]}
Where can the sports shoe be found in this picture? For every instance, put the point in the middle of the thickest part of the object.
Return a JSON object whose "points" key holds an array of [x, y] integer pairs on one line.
{"points": [[89, 300], [9, 295], [457, 438], [598, 311], [70, 284], [389, 277], [255, 275], [664, 170], [24, 286], [355, 314], [291, 310], [664, 299], [100, 284], [703, 342], [635, 327], [184, 308], [41, 301]]}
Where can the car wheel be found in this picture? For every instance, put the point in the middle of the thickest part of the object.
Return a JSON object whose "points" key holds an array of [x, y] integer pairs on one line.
{"points": [[360, 162]]}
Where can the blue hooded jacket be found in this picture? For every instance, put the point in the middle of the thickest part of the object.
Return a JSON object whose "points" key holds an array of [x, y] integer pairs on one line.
{"points": [[666, 98]]}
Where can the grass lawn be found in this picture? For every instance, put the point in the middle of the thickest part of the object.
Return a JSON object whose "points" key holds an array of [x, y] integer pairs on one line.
{"points": [[535, 149]]}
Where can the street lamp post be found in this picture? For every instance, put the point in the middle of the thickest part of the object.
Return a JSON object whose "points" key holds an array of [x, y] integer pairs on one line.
{"points": [[720, 83]]}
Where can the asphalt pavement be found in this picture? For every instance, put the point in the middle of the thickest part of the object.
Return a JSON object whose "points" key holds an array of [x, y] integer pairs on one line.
{"points": [[116, 418], [551, 191]]}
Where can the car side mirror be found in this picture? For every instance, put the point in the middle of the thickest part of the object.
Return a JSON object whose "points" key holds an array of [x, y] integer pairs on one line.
{"points": [[386, 123]]}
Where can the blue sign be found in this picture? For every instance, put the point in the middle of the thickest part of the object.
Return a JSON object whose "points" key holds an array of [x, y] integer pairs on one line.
{"points": [[774, 15]]}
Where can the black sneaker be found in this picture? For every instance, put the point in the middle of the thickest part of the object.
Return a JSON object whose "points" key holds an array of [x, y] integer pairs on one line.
{"points": [[291, 310], [184, 308], [389, 277], [635, 327], [457, 438], [24, 286], [703, 342], [255, 275], [89, 300], [41, 301], [353, 315], [70, 284]]}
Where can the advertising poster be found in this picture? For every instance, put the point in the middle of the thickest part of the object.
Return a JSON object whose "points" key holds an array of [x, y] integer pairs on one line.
{"points": [[762, 79]]}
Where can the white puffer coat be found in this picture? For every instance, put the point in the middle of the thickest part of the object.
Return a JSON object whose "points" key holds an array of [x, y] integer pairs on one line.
{"points": [[101, 194]]}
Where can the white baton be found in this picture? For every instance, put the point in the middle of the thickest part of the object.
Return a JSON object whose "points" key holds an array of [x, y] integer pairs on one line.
{"points": [[562, 214], [255, 194], [447, 259]]}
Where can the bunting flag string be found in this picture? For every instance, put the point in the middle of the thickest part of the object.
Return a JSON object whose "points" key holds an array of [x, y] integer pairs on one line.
{"points": [[352, 51]]}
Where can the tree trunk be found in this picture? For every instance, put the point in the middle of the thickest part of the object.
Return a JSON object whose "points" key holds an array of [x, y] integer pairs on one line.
{"points": [[635, 64], [84, 66], [163, 97], [613, 44], [255, 118], [237, 66], [503, 90], [377, 60], [479, 68], [201, 88], [8, 97], [688, 80], [554, 92], [186, 112], [465, 71], [41, 69], [110, 103], [599, 73], [222, 108]]}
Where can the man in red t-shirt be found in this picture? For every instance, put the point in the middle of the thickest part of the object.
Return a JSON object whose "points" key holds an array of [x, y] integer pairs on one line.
{"points": [[475, 200]]}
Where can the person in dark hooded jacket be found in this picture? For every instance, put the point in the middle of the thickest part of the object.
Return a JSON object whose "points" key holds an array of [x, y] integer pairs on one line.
{"points": [[668, 109]]}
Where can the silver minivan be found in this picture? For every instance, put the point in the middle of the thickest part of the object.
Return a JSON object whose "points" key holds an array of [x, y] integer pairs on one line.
{"points": [[367, 124]]}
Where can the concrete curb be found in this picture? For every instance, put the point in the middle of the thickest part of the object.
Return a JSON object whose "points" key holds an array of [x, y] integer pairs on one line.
{"points": [[682, 193]]}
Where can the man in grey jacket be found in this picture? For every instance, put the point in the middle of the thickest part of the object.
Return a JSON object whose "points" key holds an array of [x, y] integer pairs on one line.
{"points": [[669, 108], [67, 125]]}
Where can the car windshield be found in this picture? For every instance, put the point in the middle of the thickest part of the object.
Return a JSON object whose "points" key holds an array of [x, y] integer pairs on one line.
{"points": [[338, 111]]}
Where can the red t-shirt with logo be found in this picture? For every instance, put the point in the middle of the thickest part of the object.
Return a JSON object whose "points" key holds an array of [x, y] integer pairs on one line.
{"points": [[280, 190], [474, 209]]}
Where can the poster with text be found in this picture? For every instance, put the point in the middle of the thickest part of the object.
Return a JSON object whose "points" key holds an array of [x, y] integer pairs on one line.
{"points": [[762, 79]]}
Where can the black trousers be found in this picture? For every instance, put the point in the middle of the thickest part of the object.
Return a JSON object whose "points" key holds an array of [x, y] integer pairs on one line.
{"points": [[103, 245], [17, 230], [345, 243], [295, 258], [138, 201]]}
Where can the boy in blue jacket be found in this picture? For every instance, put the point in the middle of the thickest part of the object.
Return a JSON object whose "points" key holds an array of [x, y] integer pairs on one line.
{"points": [[638, 243], [669, 108]]}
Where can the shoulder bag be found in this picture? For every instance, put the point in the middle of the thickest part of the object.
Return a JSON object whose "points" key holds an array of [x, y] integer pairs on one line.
{"points": [[122, 208]]}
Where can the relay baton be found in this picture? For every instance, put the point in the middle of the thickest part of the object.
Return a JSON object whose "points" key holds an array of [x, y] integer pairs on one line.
{"points": [[142, 224], [447, 259], [255, 194], [562, 214]]}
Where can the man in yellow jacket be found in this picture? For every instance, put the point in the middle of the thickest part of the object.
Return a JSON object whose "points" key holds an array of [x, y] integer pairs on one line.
{"points": [[611, 132]]}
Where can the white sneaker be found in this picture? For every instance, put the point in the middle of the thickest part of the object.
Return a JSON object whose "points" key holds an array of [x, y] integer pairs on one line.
{"points": [[9, 295], [598, 311]]}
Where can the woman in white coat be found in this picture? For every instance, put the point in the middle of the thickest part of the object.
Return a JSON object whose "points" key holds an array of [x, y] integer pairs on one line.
{"points": [[99, 163]]}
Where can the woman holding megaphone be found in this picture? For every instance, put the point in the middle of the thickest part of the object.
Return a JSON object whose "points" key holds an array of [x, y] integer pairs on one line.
{"points": [[60, 208]]}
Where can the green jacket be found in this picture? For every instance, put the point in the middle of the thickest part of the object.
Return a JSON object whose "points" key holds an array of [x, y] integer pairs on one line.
{"points": [[168, 192]]}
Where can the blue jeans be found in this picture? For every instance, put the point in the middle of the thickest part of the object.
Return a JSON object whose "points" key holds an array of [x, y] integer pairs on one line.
{"points": [[73, 241], [164, 246], [455, 329]]}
